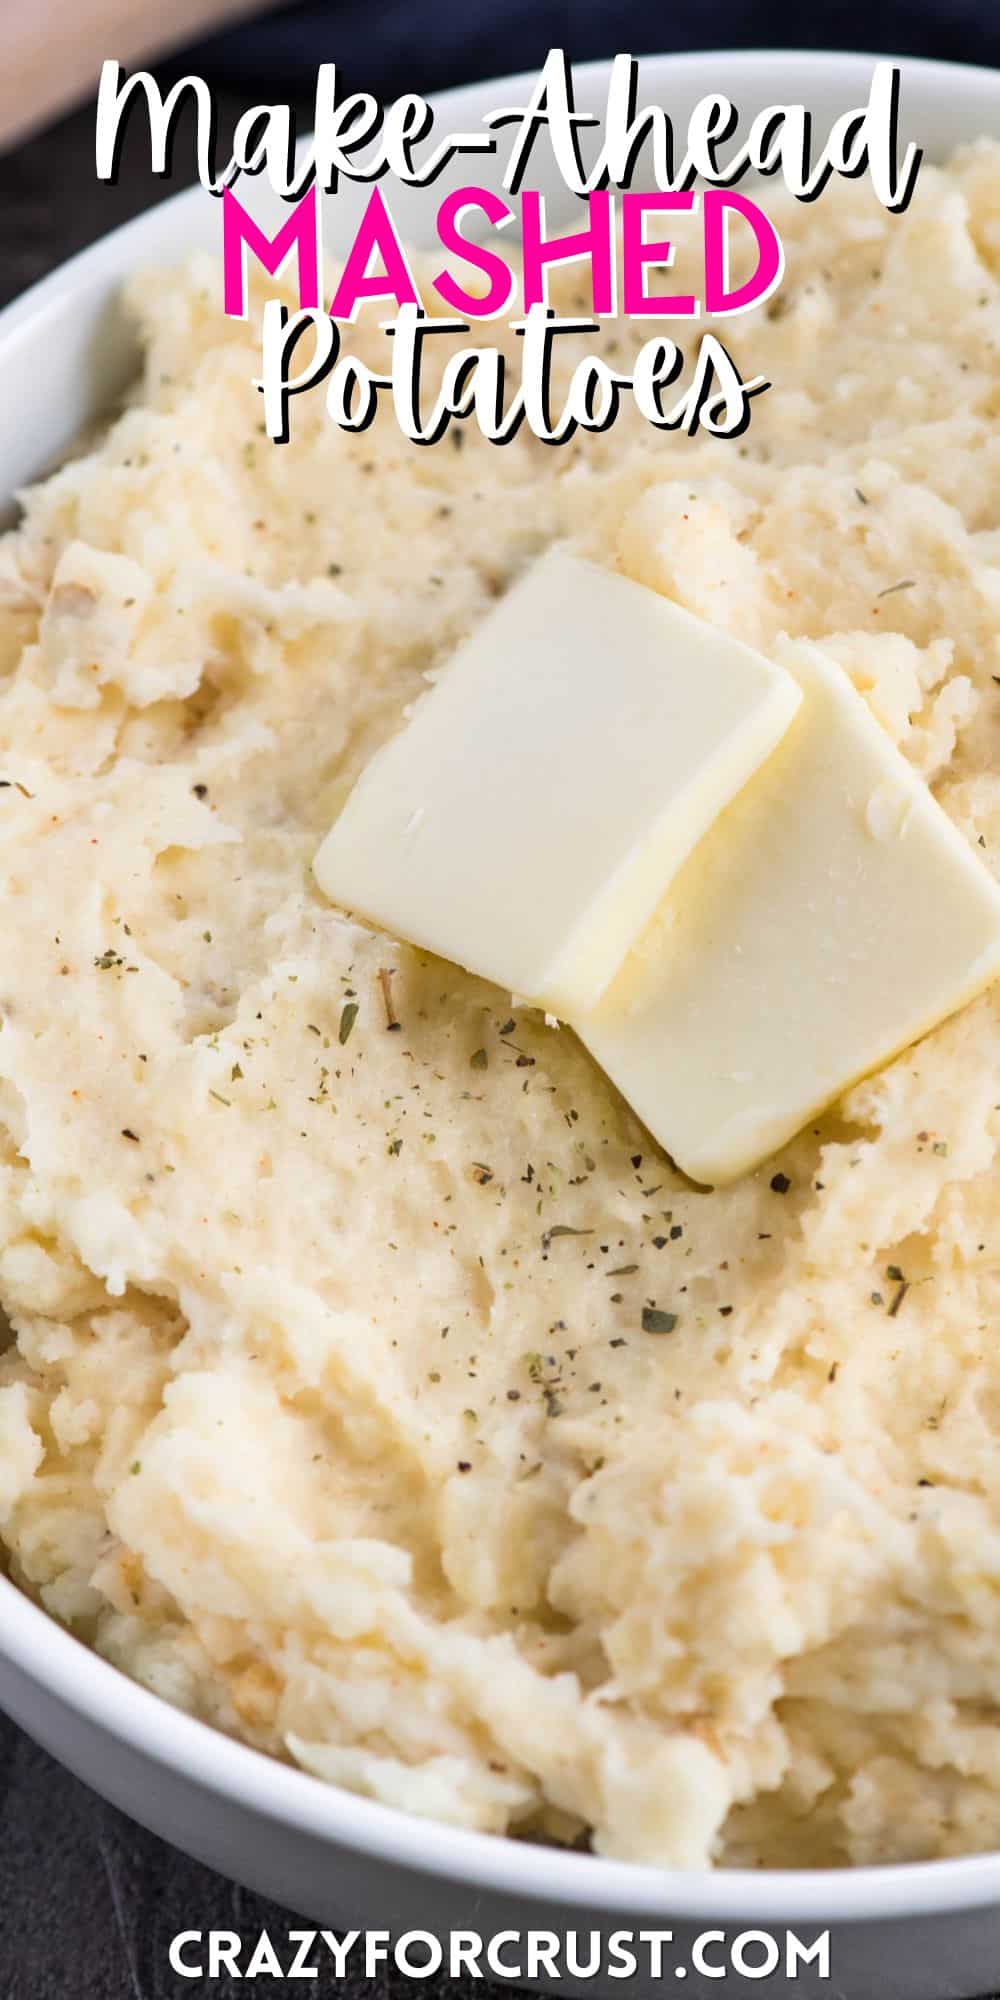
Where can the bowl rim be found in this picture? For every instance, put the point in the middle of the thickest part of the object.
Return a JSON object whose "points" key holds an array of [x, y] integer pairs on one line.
{"points": [[61, 1666], [209, 1760]]}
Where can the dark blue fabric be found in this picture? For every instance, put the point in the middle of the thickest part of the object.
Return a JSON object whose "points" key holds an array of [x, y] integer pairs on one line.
{"points": [[393, 45]]}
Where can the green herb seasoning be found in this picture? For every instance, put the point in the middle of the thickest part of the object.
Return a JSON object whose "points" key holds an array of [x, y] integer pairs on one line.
{"points": [[654, 1321]]}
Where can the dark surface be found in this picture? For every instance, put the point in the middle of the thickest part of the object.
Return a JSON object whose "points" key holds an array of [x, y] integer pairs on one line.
{"points": [[394, 45], [88, 1901]]}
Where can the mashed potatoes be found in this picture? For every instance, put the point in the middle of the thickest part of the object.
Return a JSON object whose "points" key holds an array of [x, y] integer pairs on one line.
{"points": [[327, 1408]]}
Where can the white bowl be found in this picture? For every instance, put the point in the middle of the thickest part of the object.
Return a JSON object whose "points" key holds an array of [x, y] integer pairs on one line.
{"points": [[925, 1930]]}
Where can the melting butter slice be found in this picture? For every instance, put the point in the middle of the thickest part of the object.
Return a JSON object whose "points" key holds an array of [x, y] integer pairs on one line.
{"points": [[831, 917], [530, 816]]}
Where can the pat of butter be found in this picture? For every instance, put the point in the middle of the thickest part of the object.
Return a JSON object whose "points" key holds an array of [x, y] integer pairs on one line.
{"points": [[530, 816], [831, 917]]}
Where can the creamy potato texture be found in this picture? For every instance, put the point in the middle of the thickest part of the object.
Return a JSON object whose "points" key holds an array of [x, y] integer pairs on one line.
{"points": [[381, 1393]]}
